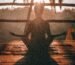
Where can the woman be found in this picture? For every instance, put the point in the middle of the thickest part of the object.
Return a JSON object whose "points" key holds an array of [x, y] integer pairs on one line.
{"points": [[39, 40], [37, 37]]}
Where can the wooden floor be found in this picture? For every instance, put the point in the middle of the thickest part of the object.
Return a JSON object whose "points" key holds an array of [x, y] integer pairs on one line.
{"points": [[60, 53]]}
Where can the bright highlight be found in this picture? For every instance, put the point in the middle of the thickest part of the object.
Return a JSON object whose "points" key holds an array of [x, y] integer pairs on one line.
{"points": [[38, 1]]}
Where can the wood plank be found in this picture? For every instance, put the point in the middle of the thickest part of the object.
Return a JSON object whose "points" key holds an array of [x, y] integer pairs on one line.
{"points": [[60, 21], [46, 4]]}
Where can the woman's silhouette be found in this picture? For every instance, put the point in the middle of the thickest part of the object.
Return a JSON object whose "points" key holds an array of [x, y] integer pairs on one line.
{"points": [[38, 37], [39, 42]]}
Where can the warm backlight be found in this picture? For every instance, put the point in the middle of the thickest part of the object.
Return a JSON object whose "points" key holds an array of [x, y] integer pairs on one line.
{"points": [[38, 1]]}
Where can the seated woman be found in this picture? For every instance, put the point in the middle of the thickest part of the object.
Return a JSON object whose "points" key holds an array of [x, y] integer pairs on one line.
{"points": [[40, 39]]}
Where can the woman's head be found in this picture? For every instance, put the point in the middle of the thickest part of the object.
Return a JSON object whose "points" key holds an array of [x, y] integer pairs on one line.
{"points": [[38, 9]]}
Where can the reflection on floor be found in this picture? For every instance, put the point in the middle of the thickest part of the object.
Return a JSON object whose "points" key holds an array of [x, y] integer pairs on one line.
{"points": [[62, 53]]}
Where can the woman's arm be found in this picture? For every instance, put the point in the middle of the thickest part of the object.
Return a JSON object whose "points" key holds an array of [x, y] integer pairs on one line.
{"points": [[57, 35], [26, 31], [17, 35]]}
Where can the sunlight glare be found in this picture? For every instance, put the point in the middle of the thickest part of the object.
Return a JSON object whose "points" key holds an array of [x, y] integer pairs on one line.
{"points": [[48, 7], [38, 1]]}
